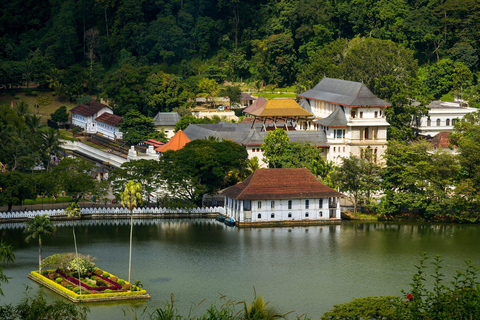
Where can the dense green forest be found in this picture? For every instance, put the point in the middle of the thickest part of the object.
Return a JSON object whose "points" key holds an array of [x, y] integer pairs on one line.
{"points": [[151, 55]]}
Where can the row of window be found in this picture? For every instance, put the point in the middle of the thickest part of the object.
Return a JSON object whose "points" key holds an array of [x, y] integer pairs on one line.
{"points": [[353, 114], [257, 150], [272, 215], [439, 122], [306, 204]]}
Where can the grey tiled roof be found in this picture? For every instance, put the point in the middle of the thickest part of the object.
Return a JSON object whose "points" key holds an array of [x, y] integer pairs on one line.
{"points": [[166, 118], [347, 93], [317, 138], [249, 137], [335, 119], [306, 105]]}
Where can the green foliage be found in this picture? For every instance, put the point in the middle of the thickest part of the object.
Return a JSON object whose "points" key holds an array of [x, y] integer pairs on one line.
{"points": [[84, 266], [137, 128], [38, 308], [60, 115], [201, 167], [233, 93], [60, 260], [274, 146], [15, 187], [73, 176], [36, 228], [359, 178], [418, 180], [364, 308], [6, 257]]}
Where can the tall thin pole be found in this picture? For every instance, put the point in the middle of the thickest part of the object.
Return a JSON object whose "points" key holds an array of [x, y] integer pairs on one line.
{"points": [[130, 261], [76, 253]]}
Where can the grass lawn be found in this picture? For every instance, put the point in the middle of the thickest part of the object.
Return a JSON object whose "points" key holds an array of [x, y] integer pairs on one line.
{"points": [[48, 200], [67, 135], [44, 111], [274, 95]]}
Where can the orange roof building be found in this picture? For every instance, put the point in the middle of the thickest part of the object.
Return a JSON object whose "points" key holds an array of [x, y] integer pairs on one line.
{"points": [[281, 196], [178, 141]]}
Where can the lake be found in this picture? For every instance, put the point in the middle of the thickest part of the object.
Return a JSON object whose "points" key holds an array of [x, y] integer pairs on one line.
{"points": [[302, 269]]}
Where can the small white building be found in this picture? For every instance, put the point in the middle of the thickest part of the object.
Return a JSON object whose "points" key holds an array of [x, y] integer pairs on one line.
{"points": [[84, 115], [108, 125], [280, 196], [442, 116], [167, 121]]}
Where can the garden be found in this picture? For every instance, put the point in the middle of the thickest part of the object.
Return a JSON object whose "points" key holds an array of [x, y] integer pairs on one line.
{"points": [[78, 279]]}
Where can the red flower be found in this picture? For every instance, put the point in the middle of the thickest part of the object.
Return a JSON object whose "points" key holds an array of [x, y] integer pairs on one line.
{"points": [[409, 297]]}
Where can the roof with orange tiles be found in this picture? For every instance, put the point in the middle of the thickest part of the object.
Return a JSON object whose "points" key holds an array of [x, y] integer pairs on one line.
{"points": [[281, 108], [270, 184], [177, 142], [442, 140], [110, 119], [88, 110]]}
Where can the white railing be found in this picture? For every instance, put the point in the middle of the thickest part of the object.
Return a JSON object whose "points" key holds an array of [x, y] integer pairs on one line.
{"points": [[112, 211]]}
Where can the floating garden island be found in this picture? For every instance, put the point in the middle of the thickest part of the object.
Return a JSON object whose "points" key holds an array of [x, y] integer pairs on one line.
{"points": [[96, 284]]}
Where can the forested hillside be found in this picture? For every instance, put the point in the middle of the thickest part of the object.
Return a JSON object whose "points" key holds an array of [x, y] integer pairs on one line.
{"points": [[151, 55]]}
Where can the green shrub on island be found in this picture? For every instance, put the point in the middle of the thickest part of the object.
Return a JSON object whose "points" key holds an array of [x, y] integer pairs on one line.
{"points": [[76, 289], [83, 266], [62, 260], [113, 278], [121, 282], [127, 286], [99, 272], [108, 291], [105, 275], [58, 280]]}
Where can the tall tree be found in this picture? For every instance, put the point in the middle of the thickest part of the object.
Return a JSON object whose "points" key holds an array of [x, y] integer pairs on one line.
{"points": [[36, 228], [131, 198]]}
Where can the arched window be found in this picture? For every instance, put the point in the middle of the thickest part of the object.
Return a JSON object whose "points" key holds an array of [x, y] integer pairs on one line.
{"points": [[306, 215], [289, 214], [447, 123], [259, 216], [438, 122], [429, 122], [454, 121], [272, 215]]}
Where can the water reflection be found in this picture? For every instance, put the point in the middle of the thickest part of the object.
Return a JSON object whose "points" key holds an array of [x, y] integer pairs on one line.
{"points": [[307, 269]]}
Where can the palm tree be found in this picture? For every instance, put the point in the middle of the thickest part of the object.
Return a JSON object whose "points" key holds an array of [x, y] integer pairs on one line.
{"points": [[50, 143], [36, 228], [252, 165], [33, 123], [131, 198], [6, 256], [73, 210]]}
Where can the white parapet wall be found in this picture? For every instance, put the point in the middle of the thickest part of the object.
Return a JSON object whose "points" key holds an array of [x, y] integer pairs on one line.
{"points": [[229, 115]]}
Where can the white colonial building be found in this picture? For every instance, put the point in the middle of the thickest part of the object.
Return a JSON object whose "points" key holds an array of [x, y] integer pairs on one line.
{"points": [[270, 196], [108, 125], [95, 117], [351, 116], [166, 121], [442, 116]]}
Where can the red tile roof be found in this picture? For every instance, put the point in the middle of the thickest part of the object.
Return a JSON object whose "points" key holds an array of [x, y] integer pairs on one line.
{"points": [[441, 140], [178, 141], [88, 110], [110, 119], [266, 184]]}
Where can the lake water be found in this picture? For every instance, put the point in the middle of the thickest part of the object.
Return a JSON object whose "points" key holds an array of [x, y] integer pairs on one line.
{"points": [[303, 269]]}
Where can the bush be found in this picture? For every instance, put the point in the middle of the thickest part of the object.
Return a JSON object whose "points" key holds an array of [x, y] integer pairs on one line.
{"points": [[99, 272], [115, 279], [127, 286], [86, 266], [85, 292], [59, 280], [105, 275], [17, 97], [76, 289], [121, 282], [107, 291]]}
